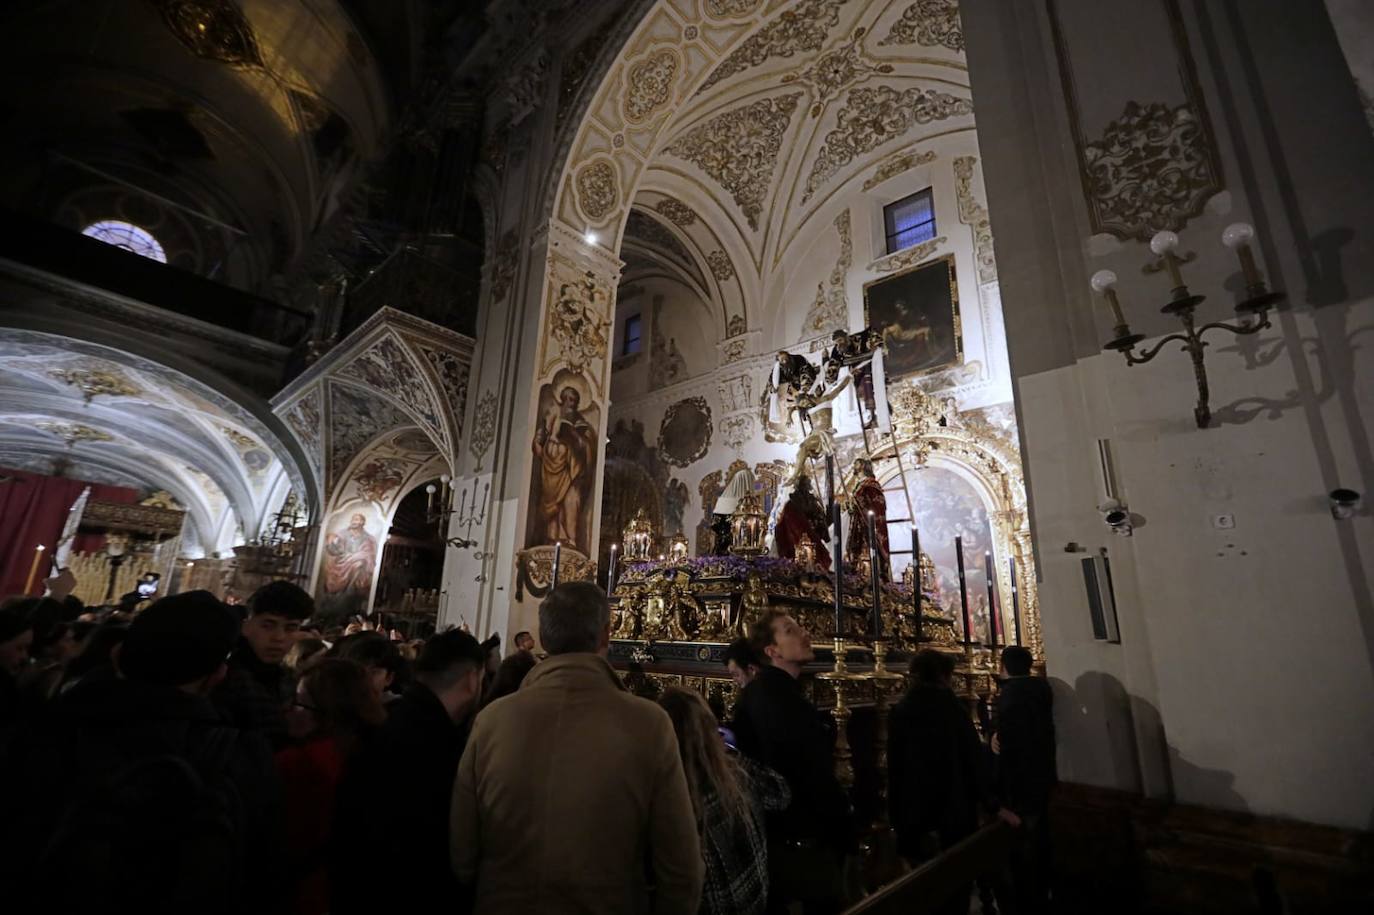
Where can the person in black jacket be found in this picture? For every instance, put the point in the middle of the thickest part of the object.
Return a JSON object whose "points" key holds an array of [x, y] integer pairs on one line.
{"points": [[776, 725], [137, 797], [395, 796], [255, 692], [937, 779], [1024, 745]]}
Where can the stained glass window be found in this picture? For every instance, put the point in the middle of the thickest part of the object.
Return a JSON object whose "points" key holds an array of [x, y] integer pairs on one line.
{"points": [[128, 236], [909, 221]]}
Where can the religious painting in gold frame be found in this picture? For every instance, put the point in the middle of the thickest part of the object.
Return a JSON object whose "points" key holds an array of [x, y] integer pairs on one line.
{"points": [[918, 308]]}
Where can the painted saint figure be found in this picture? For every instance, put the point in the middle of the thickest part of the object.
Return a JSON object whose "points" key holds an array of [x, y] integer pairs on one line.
{"points": [[868, 497], [350, 558], [565, 445], [803, 515]]}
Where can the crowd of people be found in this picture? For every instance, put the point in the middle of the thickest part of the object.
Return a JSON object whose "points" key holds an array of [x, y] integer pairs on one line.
{"points": [[198, 757]]}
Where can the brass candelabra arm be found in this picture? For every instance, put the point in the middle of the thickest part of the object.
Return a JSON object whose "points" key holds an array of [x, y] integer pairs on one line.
{"points": [[1132, 358]]}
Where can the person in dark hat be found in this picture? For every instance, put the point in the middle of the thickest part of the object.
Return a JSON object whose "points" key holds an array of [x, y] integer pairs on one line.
{"points": [[162, 806], [258, 687]]}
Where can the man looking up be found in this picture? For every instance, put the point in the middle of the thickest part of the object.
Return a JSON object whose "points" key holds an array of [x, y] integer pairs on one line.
{"points": [[571, 796], [1026, 772], [776, 725], [257, 688], [415, 754]]}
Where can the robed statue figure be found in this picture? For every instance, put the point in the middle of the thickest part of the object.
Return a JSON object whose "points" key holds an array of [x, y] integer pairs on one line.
{"points": [[868, 497]]}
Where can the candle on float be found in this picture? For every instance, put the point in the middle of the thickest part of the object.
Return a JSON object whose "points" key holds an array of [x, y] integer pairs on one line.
{"points": [[992, 604], [873, 575], [916, 582], [557, 555], [1015, 601], [610, 572], [839, 569], [33, 569], [963, 589]]}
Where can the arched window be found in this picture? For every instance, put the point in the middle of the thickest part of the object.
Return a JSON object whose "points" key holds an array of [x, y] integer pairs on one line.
{"points": [[128, 236]]}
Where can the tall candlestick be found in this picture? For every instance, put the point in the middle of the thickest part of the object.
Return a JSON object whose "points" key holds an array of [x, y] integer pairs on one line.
{"points": [[557, 553], [916, 583], [873, 575], [33, 569], [830, 479], [1015, 602], [837, 537], [992, 605], [963, 590], [610, 573]]}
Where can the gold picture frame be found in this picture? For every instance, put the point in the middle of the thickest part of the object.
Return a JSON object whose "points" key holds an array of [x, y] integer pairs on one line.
{"points": [[923, 337]]}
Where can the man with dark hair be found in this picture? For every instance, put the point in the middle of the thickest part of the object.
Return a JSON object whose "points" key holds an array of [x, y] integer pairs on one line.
{"points": [[404, 826], [160, 806], [524, 641], [934, 766], [571, 795], [742, 662], [255, 691], [778, 726], [1026, 771]]}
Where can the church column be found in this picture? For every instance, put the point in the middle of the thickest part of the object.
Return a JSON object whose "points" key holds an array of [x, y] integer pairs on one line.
{"points": [[536, 446]]}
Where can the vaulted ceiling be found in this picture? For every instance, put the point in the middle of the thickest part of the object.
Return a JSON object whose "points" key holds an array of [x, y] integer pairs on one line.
{"points": [[95, 413]]}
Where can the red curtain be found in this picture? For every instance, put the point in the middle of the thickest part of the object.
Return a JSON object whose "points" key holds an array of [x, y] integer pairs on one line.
{"points": [[33, 510]]}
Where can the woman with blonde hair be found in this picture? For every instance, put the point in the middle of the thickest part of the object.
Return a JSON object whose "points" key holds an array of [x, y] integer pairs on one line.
{"points": [[729, 796]]}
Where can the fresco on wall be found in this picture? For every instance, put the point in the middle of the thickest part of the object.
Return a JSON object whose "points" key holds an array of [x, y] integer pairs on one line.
{"points": [[918, 312], [684, 435], [565, 458], [947, 506], [349, 561]]}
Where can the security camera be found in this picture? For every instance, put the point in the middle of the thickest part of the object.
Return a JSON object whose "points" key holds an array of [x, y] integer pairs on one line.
{"points": [[1345, 503], [1117, 516]]}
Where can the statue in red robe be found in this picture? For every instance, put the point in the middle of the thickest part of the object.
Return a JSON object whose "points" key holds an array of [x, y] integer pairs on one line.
{"points": [[868, 497], [803, 514]]}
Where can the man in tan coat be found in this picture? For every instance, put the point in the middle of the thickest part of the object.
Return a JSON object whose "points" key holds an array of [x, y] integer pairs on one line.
{"points": [[570, 797]]}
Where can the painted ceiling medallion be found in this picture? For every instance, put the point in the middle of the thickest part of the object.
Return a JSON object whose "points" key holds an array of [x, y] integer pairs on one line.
{"points": [[677, 211], [835, 71], [739, 149], [598, 192], [1150, 170], [73, 432], [95, 382], [929, 23], [650, 85], [731, 9], [802, 28], [720, 265], [212, 29], [874, 115]]}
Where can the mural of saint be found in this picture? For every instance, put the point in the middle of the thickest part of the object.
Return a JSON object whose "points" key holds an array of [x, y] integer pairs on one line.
{"points": [[565, 449], [350, 556]]}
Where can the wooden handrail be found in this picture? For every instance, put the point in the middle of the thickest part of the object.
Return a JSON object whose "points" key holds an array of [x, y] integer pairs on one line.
{"points": [[931, 884]]}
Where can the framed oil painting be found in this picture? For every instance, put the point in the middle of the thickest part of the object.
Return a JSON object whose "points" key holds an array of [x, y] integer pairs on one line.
{"points": [[918, 309]]}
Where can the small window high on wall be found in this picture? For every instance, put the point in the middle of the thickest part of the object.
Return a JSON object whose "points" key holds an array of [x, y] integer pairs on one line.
{"points": [[632, 336], [909, 221]]}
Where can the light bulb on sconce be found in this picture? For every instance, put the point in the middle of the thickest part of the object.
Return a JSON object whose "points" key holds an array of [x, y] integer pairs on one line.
{"points": [[1103, 280], [1237, 234], [431, 489], [1163, 242]]}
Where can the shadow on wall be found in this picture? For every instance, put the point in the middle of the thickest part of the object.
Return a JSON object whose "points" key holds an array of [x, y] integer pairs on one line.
{"points": [[1109, 738]]}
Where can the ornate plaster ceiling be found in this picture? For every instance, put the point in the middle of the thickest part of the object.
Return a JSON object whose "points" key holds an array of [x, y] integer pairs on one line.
{"points": [[109, 416], [754, 116]]}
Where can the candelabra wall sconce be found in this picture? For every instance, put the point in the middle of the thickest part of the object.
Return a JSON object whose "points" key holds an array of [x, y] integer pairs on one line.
{"points": [[471, 511], [1252, 312]]}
